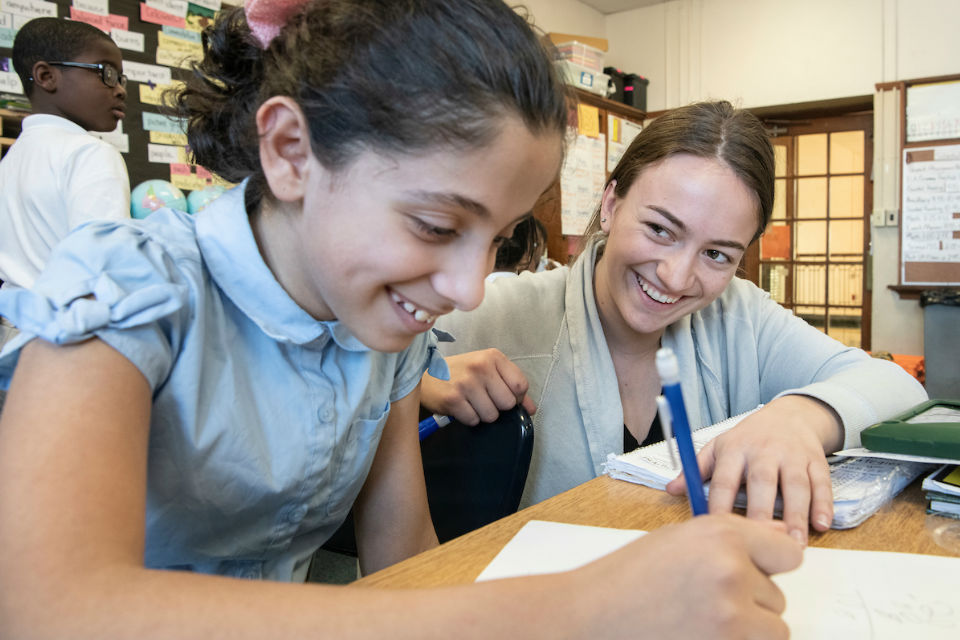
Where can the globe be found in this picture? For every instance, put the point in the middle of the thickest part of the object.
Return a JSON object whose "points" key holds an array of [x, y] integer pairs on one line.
{"points": [[200, 198], [151, 195]]}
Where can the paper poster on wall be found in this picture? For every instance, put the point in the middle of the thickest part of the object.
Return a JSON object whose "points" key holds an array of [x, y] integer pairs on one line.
{"points": [[129, 40], [213, 5], [10, 82], [581, 183], [166, 154], [101, 7], [620, 133], [29, 9], [156, 16], [930, 216], [173, 7], [183, 34], [163, 137], [105, 23], [933, 111], [588, 120], [147, 73], [160, 122], [154, 95]]}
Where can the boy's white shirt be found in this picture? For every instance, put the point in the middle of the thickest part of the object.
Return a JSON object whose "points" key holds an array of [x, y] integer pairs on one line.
{"points": [[55, 177]]}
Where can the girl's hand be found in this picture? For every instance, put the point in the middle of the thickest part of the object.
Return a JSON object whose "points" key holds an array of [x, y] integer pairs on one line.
{"points": [[707, 577], [482, 384], [781, 447]]}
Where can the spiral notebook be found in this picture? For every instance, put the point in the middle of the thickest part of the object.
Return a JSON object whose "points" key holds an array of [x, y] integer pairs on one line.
{"points": [[860, 485]]}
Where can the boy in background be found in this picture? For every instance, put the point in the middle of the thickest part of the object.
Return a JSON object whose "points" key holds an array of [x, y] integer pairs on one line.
{"points": [[56, 175]]}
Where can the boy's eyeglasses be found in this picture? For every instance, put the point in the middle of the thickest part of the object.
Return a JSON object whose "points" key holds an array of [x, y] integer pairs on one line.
{"points": [[108, 73]]}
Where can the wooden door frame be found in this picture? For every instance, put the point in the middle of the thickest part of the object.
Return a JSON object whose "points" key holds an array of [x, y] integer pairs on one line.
{"points": [[799, 125]]}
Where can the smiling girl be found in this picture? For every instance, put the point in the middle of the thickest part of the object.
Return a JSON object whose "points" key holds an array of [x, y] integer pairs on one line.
{"points": [[198, 401]]}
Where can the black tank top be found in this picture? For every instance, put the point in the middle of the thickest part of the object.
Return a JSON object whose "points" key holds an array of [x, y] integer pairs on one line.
{"points": [[653, 436]]}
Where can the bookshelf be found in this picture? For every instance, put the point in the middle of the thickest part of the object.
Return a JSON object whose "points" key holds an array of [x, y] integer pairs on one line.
{"points": [[9, 128]]}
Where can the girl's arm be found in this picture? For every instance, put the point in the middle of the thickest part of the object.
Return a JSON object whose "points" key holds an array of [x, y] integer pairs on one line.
{"points": [[391, 514], [73, 451]]}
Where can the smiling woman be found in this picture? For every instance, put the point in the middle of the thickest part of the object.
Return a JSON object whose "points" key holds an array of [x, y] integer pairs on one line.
{"points": [[692, 191]]}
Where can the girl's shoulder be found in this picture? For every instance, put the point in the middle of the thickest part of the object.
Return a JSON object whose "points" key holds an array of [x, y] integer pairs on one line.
{"points": [[163, 244], [119, 269]]}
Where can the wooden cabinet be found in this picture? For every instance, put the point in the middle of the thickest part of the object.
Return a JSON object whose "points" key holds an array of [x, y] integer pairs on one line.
{"points": [[561, 247]]}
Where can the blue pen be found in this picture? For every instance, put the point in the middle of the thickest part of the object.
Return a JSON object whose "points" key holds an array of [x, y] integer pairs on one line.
{"points": [[431, 424], [669, 371]]}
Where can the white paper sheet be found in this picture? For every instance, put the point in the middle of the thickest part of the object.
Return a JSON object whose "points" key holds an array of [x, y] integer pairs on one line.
{"points": [[849, 595]]}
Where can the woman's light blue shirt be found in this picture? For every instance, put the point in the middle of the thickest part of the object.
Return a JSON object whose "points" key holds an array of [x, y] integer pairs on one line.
{"points": [[265, 421]]}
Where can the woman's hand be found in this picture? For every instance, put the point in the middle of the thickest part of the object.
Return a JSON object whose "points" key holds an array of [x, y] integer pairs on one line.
{"points": [[707, 577], [780, 447], [482, 384]]}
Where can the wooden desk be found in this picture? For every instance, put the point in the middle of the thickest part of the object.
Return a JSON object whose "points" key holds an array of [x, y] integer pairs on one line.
{"points": [[901, 525]]}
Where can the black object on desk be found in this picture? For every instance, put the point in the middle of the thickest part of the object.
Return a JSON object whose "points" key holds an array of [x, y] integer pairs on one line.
{"points": [[474, 476]]}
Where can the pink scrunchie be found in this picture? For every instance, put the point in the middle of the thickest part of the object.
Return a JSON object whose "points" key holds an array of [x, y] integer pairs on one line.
{"points": [[267, 17]]}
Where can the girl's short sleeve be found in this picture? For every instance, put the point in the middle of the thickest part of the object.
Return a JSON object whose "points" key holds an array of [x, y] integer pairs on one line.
{"points": [[115, 281], [422, 355]]}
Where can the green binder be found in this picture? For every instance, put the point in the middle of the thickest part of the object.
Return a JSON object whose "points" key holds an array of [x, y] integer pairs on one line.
{"points": [[931, 428]]}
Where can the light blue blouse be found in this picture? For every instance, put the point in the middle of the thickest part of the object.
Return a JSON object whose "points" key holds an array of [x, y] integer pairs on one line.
{"points": [[265, 421]]}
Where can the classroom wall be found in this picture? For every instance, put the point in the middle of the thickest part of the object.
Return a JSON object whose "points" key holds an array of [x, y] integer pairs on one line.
{"points": [[774, 52], [565, 16]]}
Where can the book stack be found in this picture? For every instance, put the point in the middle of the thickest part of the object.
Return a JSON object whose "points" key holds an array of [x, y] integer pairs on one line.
{"points": [[14, 102], [943, 491]]}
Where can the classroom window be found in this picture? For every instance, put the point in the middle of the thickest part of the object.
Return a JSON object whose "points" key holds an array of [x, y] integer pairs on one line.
{"points": [[811, 257]]}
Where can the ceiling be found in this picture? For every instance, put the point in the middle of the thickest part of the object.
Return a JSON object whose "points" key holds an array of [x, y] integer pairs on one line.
{"points": [[613, 6]]}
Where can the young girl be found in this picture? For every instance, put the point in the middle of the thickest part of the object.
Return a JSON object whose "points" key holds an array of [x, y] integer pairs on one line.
{"points": [[693, 190], [209, 395]]}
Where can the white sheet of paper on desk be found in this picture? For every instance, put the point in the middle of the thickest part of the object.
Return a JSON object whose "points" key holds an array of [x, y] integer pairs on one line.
{"points": [[853, 595], [549, 547]]}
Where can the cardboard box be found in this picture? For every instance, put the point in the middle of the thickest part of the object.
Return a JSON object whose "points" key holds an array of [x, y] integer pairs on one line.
{"points": [[560, 38]]}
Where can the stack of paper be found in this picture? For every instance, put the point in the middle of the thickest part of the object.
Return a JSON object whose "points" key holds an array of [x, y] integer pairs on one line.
{"points": [[860, 485], [943, 491]]}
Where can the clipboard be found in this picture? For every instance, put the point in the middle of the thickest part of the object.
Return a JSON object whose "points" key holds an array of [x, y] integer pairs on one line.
{"points": [[931, 428]]}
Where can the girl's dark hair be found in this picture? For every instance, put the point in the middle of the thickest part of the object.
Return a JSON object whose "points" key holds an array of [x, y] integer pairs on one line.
{"points": [[50, 40], [707, 130], [390, 75], [528, 241]]}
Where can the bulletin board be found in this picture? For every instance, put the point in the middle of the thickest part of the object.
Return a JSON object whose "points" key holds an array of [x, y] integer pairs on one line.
{"points": [[158, 39], [930, 183]]}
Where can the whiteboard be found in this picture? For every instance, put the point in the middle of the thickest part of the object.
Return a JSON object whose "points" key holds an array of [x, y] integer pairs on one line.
{"points": [[933, 111], [930, 216]]}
